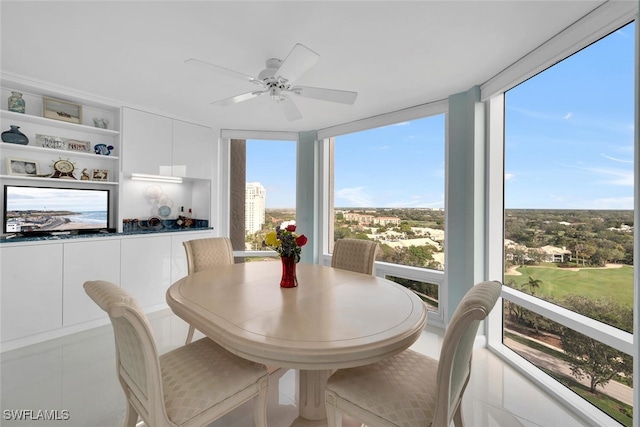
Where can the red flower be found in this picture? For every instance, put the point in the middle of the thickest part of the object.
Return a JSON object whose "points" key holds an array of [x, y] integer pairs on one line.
{"points": [[301, 240], [291, 228]]}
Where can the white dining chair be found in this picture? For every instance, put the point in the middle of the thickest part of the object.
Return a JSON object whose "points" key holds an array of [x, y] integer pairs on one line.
{"points": [[205, 253], [190, 386], [357, 255], [411, 389]]}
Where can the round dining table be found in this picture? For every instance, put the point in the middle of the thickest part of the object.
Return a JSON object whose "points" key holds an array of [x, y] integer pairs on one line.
{"points": [[333, 319]]}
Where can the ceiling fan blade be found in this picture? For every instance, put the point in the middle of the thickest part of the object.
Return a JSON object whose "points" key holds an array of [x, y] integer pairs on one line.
{"points": [[222, 70], [290, 110], [299, 60], [239, 98], [333, 95]]}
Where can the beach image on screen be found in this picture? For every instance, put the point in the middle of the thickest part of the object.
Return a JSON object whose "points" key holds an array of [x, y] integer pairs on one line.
{"points": [[35, 209]]}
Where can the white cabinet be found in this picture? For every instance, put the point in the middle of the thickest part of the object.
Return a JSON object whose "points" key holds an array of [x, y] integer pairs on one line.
{"points": [[84, 260], [146, 268], [146, 140], [192, 150], [159, 145], [31, 300], [179, 256], [41, 289]]}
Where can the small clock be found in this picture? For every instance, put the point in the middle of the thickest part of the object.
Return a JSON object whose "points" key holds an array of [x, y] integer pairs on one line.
{"points": [[63, 169]]}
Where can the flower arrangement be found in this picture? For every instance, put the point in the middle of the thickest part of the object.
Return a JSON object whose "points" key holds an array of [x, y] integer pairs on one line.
{"points": [[285, 241]]}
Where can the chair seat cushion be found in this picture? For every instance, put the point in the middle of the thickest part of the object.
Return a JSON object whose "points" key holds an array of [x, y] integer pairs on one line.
{"points": [[202, 374], [401, 389]]}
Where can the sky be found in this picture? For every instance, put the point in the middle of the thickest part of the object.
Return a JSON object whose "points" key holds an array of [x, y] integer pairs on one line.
{"points": [[28, 198], [568, 144]]}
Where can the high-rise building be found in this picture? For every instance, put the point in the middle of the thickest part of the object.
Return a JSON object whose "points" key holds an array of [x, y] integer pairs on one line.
{"points": [[254, 205]]}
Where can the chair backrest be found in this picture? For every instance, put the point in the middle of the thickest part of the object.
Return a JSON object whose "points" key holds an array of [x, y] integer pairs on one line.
{"points": [[454, 366], [205, 253], [357, 255], [137, 362]]}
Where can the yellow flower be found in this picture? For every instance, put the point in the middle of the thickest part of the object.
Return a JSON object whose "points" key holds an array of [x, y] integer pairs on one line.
{"points": [[271, 239]]}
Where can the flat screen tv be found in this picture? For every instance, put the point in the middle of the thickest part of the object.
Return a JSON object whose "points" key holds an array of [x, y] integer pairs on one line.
{"points": [[31, 210]]}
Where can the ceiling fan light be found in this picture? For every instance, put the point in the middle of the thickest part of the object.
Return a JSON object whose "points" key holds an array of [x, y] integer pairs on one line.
{"points": [[276, 94]]}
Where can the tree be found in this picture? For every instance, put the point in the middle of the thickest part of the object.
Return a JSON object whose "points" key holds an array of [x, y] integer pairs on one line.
{"points": [[591, 358], [533, 284], [536, 255]]}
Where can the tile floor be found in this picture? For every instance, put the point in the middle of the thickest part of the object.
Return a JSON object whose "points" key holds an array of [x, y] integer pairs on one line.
{"points": [[76, 373]]}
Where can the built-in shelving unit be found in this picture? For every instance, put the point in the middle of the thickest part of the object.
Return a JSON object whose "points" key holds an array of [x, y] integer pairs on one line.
{"points": [[50, 301], [26, 118], [87, 163]]}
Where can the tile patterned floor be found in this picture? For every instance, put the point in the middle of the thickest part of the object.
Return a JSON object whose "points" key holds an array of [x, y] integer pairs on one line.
{"points": [[76, 373]]}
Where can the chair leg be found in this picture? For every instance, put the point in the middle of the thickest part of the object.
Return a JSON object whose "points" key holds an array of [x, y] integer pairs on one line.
{"points": [[190, 335], [131, 418], [260, 405], [334, 417], [457, 416]]}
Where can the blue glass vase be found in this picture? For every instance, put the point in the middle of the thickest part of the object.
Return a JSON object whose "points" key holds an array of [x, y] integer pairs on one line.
{"points": [[14, 136]]}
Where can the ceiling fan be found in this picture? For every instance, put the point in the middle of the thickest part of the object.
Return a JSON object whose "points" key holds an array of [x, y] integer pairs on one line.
{"points": [[277, 81]]}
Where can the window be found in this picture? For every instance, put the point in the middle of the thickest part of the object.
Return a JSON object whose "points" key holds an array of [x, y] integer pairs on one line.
{"points": [[569, 229], [263, 189], [389, 187]]}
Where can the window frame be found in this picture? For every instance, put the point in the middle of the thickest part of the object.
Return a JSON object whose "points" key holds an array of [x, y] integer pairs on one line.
{"points": [[223, 179], [603, 21], [382, 269]]}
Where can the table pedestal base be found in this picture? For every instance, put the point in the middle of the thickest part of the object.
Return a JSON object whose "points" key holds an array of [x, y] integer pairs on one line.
{"points": [[311, 394]]}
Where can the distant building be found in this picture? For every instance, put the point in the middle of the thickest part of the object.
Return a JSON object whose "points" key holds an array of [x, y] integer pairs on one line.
{"points": [[554, 254], [369, 219], [254, 207], [386, 220]]}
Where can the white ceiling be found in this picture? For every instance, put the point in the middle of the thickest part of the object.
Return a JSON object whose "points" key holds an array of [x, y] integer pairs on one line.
{"points": [[394, 54]]}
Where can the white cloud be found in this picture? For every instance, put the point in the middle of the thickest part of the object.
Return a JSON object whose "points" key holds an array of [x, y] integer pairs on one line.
{"points": [[567, 116], [353, 197], [615, 159], [508, 176], [615, 176], [612, 203]]}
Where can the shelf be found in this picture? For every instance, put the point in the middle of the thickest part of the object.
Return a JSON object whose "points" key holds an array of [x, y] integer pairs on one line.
{"points": [[55, 151], [58, 180], [10, 115]]}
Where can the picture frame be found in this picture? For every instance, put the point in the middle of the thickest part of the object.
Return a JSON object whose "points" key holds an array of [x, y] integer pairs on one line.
{"points": [[100, 175], [23, 167], [58, 109]]}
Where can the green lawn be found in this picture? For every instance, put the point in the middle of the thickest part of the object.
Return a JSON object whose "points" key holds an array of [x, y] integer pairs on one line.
{"points": [[590, 282]]}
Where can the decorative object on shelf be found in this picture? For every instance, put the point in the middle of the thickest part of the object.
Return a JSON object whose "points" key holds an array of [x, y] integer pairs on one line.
{"points": [[185, 220], [59, 143], [23, 167], [100, 123], [63, 169], [75, 145], [103, 149], [154, 222], [58, 109], [85, 175], [48, 141], [100, 175], [289, 245], [164, 211], [16, 103], [14, 136]]}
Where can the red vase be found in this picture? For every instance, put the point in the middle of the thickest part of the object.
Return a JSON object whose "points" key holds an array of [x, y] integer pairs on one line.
{"points": [[289, 279]]}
